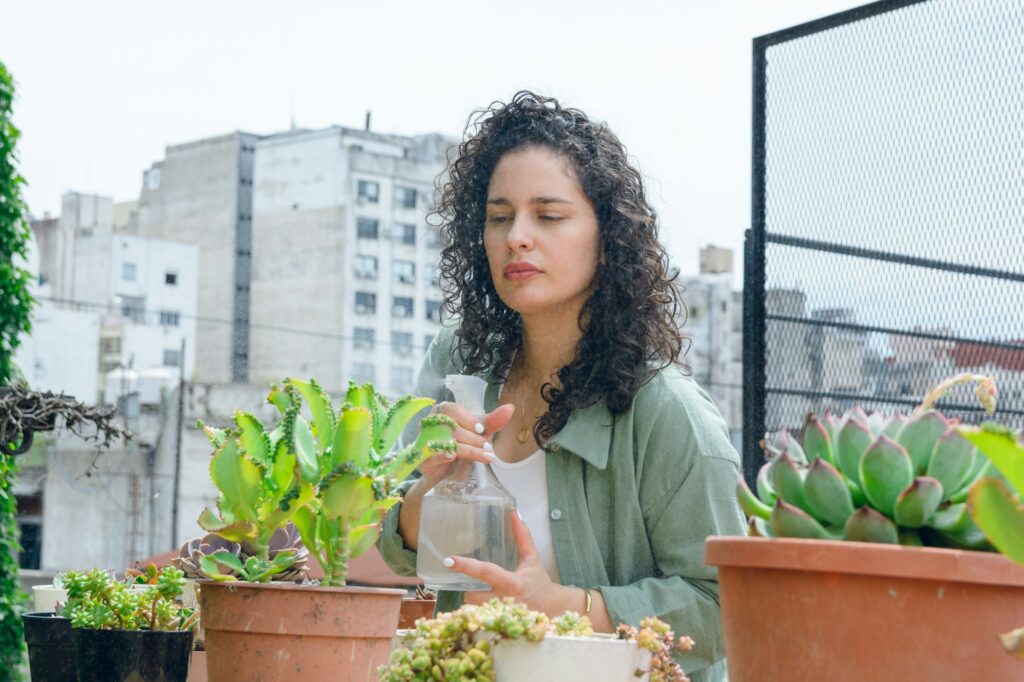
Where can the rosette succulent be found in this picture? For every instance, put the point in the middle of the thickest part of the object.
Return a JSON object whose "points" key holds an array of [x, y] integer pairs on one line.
{"points": [[284, 540], [873, 478], [333, 475]]}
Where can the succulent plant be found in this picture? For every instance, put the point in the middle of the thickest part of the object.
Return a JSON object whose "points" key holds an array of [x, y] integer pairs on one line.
{"points": [[334, 477], [189, 559], [458, 645], [97, 601], [873, 478], [995, 504]]}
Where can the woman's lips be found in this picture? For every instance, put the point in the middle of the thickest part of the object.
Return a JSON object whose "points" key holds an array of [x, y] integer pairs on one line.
{"points": [[520, 272]]}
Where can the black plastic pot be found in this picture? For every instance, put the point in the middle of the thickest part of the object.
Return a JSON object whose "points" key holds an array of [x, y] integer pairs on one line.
{"points": [[51, 647], [136, 655]]}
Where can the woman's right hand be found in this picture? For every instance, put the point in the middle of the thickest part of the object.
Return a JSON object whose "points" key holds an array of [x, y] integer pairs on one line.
{"points": [[473, 438]]}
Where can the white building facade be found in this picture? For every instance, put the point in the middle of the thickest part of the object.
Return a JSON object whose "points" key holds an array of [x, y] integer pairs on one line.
{"points": [[344, 279]]}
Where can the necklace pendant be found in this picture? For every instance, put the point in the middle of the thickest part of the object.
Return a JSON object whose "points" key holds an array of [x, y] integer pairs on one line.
{"points": [[523, 435]]}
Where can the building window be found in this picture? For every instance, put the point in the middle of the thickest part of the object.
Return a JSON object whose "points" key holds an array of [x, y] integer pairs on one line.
{"points": [[128, 272], [431, 238], [401, 343], [402, 307], [404, 271], [427, 340], [110, 345], [171, 279], [405, 197], [364, 338], [366, 303], [433, 276], [434, 311], [366, 267], [366, 228], [170, 318], [362, 372], [172, 358], [134, 308], [368, 192], [401, 378], [405, 234]]}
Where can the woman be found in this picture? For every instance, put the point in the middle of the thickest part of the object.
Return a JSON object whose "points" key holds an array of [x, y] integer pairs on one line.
{"points": [[564, 301]]}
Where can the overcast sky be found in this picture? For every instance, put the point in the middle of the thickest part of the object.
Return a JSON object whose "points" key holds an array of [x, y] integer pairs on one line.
{"points": [[105, 86]]}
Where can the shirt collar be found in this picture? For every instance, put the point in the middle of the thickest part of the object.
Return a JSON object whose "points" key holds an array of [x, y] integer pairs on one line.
{"points": [[587, 434]]}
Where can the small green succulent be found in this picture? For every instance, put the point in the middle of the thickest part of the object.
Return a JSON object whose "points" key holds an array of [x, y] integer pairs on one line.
{"points": [[333, 476], [97, 601], [873, 478]]}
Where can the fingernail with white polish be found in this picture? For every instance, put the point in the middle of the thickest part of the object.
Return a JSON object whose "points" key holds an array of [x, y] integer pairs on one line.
{"points": [[479, 428], [448, 562], [488, 447], [520, 516]]}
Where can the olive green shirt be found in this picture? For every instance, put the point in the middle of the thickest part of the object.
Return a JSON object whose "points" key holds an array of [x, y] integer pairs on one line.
{"points": [[632, 498]]}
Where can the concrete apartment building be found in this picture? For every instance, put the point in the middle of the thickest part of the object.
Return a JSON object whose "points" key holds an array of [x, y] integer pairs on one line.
{"points": [[714, 327], [201, 194], [344, 279]]}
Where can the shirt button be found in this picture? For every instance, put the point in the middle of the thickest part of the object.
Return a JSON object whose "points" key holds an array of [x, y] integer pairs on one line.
{"points": [[556, 514]]}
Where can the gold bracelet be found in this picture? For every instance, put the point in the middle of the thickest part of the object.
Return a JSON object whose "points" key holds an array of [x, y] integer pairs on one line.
{"points": [[590, 601]]}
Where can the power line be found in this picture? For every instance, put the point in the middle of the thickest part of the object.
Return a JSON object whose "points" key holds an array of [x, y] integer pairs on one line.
{"points": [[219, 320]]}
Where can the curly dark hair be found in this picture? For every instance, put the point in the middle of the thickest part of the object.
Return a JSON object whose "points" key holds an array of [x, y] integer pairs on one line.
{"points": [[636, 297]]}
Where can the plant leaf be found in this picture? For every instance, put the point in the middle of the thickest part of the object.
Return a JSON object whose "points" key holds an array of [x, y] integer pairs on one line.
{"points": [[238, 479], [1002, 447], [320, 407], [254, 439], [305, 451], [403, 410], [352, 438], [999, 514]]}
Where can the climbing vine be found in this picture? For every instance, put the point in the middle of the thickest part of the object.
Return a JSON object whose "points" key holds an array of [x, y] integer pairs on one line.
{"points": [[15, 310]]}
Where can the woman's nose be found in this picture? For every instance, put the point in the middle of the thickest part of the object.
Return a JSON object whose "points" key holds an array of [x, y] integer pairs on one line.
{"points": [[520, 235]]}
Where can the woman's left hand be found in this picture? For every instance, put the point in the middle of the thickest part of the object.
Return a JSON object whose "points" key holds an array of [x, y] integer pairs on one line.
{"points": [[529, 584]]}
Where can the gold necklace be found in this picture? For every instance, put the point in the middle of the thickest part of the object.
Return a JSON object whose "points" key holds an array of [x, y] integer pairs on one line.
{"points": [[524, 433]]}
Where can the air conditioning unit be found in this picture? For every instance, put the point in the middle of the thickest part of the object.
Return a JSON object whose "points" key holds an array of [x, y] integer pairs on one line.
{"points": [[400, 311], [363, 309], [402, 349]]}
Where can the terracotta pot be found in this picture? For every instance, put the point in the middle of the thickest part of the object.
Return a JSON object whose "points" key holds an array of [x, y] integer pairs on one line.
{"points": [[817, 610], [413, 610], [286, 632]]}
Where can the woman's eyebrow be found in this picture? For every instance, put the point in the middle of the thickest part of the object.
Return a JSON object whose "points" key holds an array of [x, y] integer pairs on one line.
{"points": [[500, 201]]}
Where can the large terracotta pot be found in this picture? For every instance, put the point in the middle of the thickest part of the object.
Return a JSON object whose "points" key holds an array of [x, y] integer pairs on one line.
{"points": [[286, 632], [818, 610]]}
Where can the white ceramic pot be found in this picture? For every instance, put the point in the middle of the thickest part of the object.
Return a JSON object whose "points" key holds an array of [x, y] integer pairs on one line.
{"points": [[45, 597], [566, 659], [571, 659]]}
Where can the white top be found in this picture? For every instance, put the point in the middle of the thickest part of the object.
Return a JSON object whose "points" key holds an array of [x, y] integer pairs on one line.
{"points": [[528, 482]]}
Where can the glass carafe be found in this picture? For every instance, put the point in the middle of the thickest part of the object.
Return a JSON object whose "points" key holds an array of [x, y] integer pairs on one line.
{"points": [[468, 513]]}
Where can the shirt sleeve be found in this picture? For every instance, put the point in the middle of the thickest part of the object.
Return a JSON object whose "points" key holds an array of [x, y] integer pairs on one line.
{"points": [[680, 513], [429, 383]]}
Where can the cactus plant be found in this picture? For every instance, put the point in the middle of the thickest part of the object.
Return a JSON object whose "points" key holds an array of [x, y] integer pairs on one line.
{"points": [[873, 478], [994, 506], [333, 477]]}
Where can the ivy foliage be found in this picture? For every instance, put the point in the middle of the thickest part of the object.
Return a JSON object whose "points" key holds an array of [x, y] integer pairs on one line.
{"points": [[15, 310]]}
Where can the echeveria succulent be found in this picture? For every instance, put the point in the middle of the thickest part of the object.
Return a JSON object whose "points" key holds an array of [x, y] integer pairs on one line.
{"points": [[873, 478], [190, 556]]}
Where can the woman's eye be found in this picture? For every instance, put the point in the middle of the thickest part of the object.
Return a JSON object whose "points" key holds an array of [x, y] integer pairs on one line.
{"points": [[498, 219], [550, 218]]}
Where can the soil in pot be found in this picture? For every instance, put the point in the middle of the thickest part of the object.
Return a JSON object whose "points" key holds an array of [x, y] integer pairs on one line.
{"points": [[133, 656], [51, 647]]}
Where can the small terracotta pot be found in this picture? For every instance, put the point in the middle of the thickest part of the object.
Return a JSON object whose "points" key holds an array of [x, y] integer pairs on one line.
{"points": [[281, 632], [413, 610], [838, 611]]}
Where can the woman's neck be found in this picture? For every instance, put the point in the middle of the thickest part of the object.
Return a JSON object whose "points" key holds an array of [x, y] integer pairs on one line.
{"points": [[549, 343]]}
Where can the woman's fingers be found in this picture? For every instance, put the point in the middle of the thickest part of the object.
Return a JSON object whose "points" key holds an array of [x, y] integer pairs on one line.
{"points": [[498, 419], [498, 578], [463, 417]]}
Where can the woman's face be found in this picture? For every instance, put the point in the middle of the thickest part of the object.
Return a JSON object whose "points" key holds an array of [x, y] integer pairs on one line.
{"points": [[541, 233]]}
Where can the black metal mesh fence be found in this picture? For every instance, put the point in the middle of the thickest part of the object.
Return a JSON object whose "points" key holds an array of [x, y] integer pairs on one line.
{"points": [[887, 245]]}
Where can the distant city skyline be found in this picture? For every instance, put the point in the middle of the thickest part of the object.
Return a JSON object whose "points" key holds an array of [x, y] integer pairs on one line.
{"points": [[105, 87]]}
